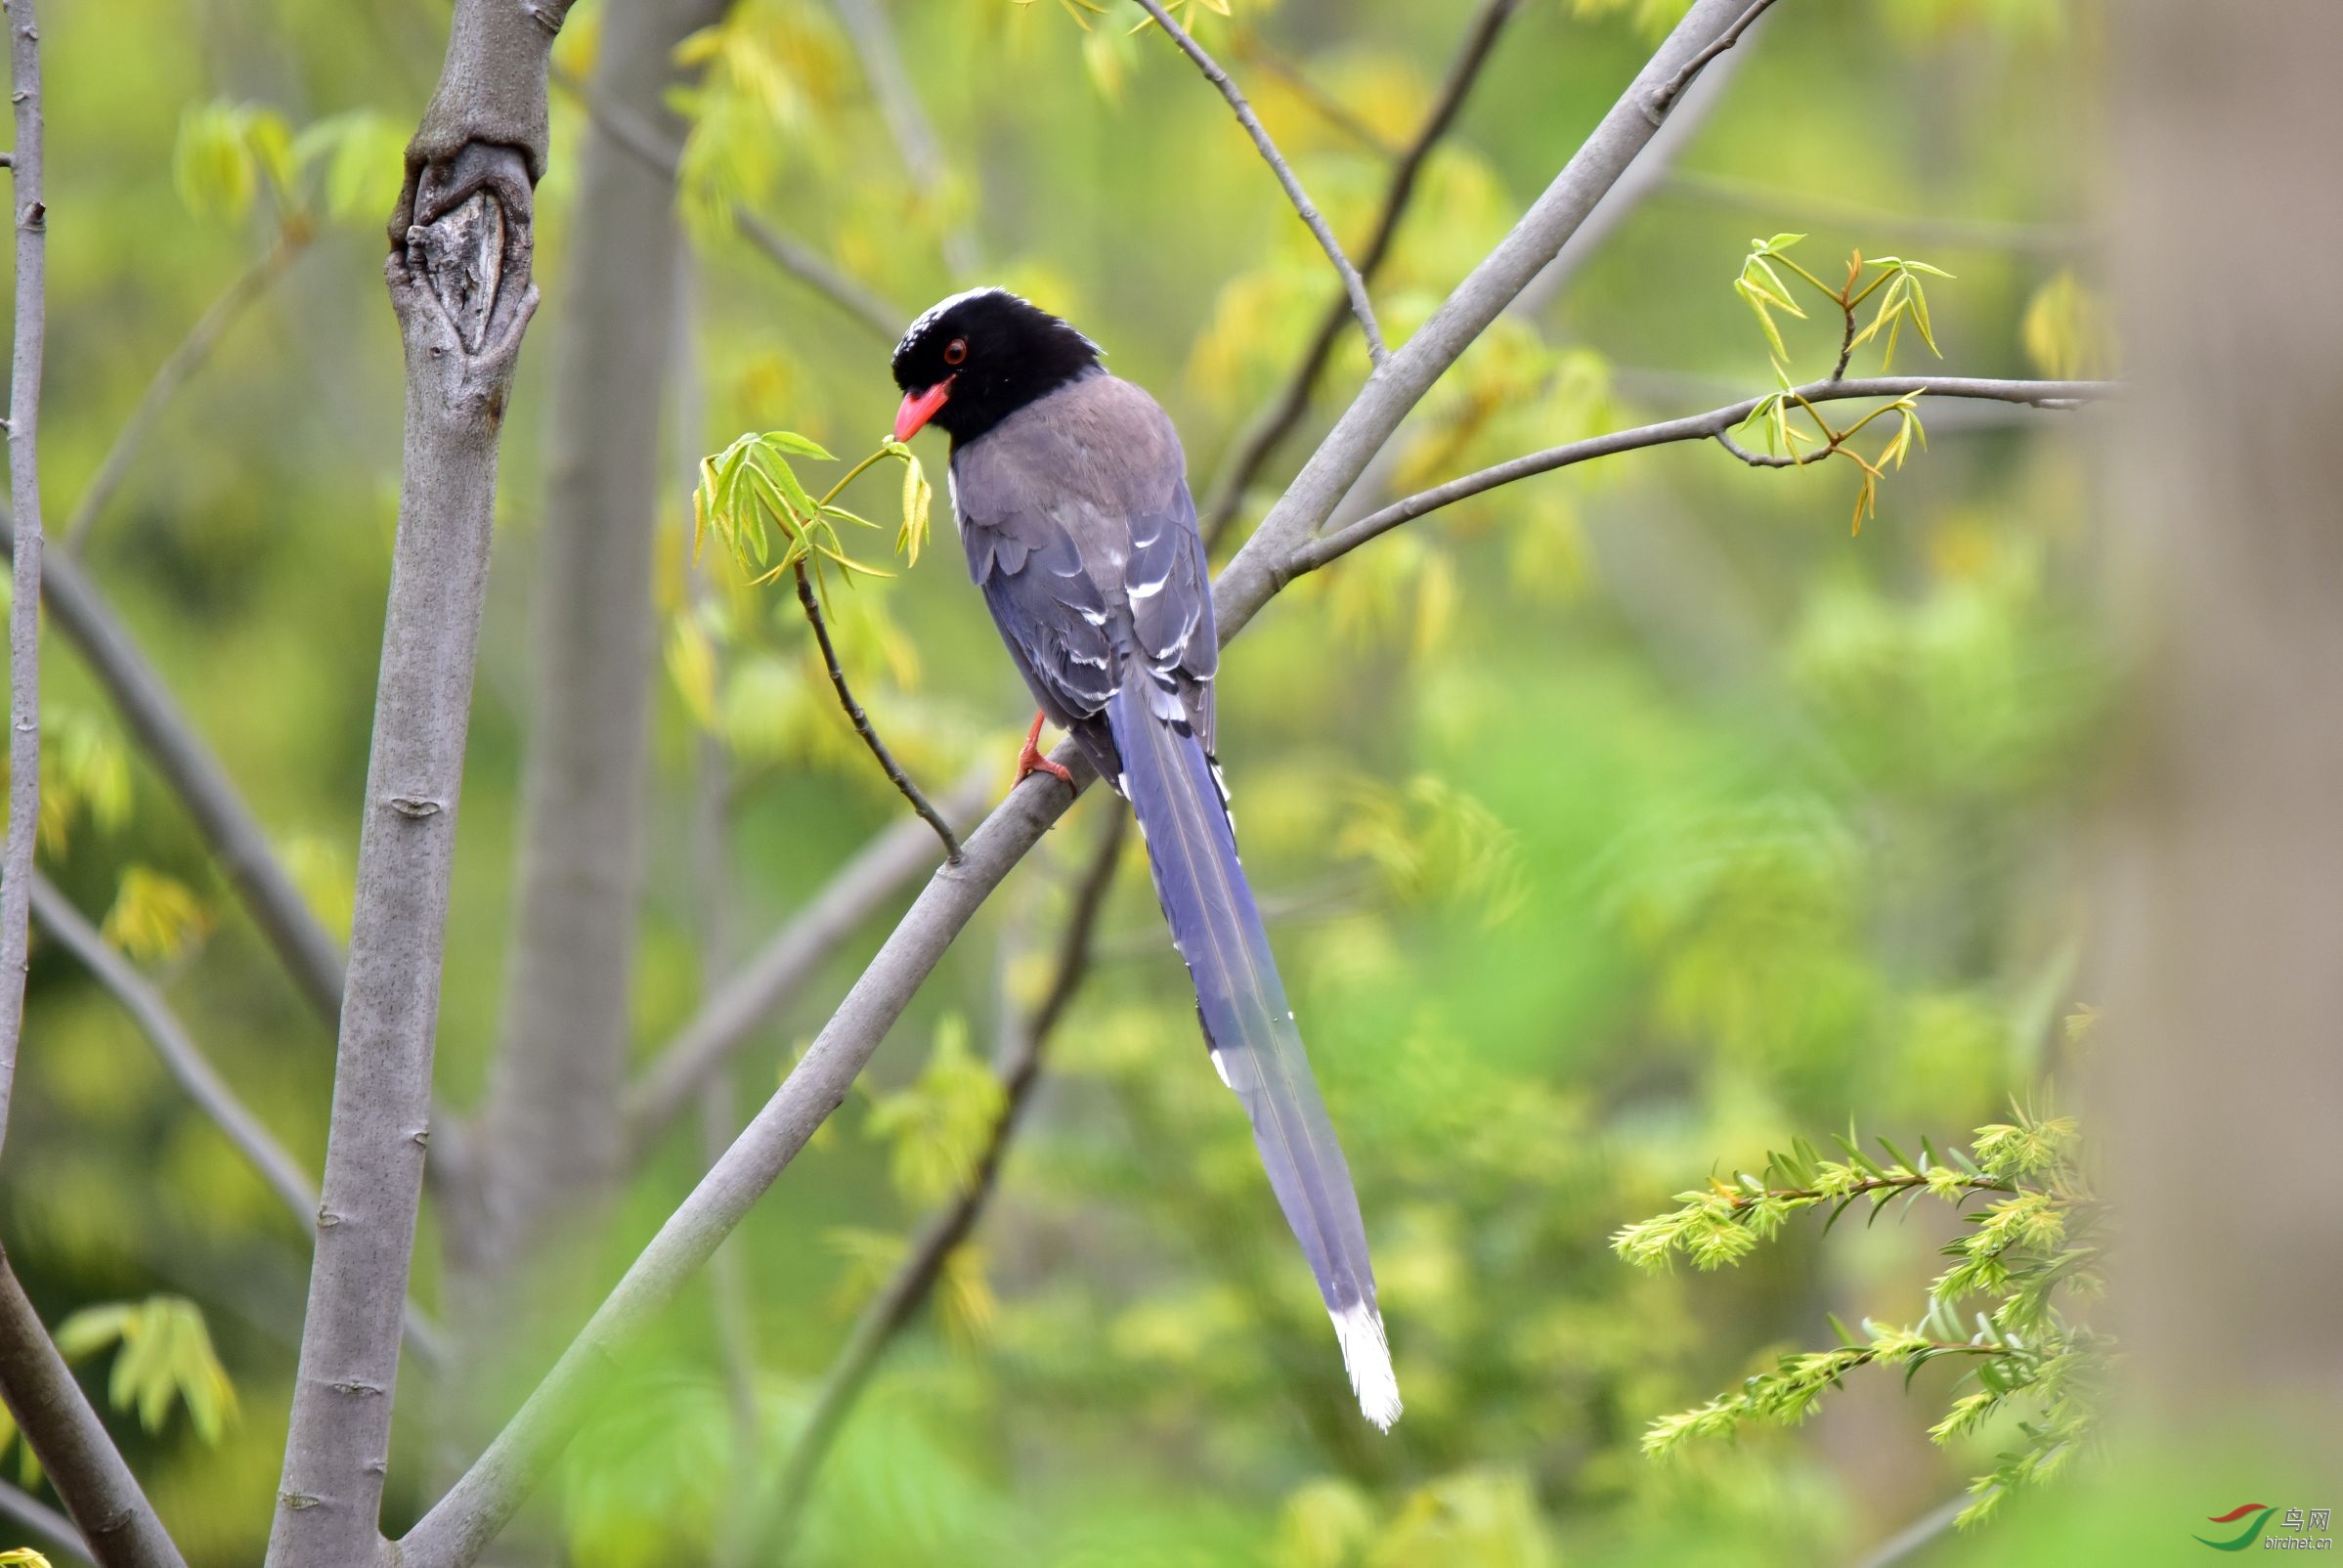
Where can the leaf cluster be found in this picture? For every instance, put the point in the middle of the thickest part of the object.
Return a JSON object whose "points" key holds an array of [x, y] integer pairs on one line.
{"points": [[2034, 1237]]}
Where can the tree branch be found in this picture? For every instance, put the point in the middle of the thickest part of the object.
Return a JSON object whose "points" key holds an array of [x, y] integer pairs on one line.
{"points": [[193, 770], [453, 1532], [1657, 107], [1353, 285], [730, 1016], [792, 257], [891, 1310], [1920, 1532], [873, 36], [89, 1473], [461, 240], [52, 1526], [185, 360], [193, 1072], [1270, 429], [1714, 425], [24, 492], [862, 724]]}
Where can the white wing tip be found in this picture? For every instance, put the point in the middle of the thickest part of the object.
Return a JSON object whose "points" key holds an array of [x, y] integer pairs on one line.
{"points": [[1366, 1357]]}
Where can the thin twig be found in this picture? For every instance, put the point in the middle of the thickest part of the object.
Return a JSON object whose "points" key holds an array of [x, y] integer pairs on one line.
{"points": [[629, 130], [1928, 1527], [891, 1310], [25, 493], [54, 1416], [1333, 111], [907, 119], [193, 1072], [1276, 423], [1351, 283], [1657, 105], [173, 374], [862, 724], [1714, 425], [37, 1517]]}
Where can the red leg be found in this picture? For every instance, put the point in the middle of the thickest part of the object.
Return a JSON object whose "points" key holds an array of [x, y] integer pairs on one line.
{"points": [[1031, 761]]}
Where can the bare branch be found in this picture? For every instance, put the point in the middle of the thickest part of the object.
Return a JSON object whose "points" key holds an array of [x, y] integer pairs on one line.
{"points": [[461, 241], [862, 724], [891, 1310], [644, 141], [1657, 107], [456, 1530], [1270, 429], [730, 1016], [185, 360], [24, 492], [1920, 1532], [1714, 425], [37, 1517], [1353, 285], [89, 1473], [874, 35], [193, 1072]]}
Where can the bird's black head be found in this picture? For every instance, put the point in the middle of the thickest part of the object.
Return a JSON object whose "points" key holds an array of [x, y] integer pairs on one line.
{"points": [[976, 358]]}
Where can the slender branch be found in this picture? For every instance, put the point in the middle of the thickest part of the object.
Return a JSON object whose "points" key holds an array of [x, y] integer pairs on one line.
{"points": [[89, 1473], [52, 1526], [173, 374], [24, 492], [792, 257], [1269, 431], [907, 122], [730, 1016], [1658, 105], [461, 241], [193, 1072], [891, 1310], [1714, 425], [1328, 108], [1928, 1527], [456, 1530], [862, 724], [1353, 285]]}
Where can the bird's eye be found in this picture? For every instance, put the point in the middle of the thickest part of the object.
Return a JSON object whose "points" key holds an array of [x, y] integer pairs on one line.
{"points": [[956, 351]]}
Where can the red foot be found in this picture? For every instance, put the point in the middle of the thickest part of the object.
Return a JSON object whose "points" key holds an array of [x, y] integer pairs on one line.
{"points": [[1030, 760]]}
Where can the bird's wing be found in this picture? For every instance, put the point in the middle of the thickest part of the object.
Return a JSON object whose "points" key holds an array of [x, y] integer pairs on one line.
{"points": [[1076, 519]]}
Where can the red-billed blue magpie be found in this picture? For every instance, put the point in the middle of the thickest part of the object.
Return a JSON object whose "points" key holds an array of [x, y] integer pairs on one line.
{"points": [[1071, 494]]}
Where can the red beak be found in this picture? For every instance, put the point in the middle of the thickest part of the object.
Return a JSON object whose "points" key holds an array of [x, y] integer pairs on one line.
{"points": [[920, 407]]}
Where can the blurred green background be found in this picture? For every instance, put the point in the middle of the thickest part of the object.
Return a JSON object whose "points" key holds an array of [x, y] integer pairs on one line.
{"points": [[1615, 827]]}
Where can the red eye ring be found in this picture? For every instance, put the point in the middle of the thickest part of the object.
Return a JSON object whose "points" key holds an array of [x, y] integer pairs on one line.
{"points": [[956, 351]]}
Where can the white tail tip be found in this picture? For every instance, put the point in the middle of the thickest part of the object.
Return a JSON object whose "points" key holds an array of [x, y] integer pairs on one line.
{"points": [[1366, 1357]]}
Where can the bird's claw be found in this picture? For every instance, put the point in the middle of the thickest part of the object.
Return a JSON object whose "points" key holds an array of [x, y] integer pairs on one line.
{"points": [[1030, 760]]}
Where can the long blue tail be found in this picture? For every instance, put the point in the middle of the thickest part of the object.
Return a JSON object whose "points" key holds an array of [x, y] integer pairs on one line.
{"points": [[1251, 1029]]}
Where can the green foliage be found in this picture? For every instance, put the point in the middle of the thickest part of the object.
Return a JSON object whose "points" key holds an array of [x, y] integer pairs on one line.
{"points": [[939, 1124], [22, 1557], [2036, 1235], [162, 1359], [750, 498], [2066, 331], [155, 916]]}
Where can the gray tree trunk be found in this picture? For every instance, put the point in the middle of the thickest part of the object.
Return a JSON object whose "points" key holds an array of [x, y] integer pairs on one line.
{"points": [[552, 1149], [2223, 1072]]}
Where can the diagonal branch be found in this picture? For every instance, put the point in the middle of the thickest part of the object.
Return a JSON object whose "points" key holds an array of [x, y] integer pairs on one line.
{"points": [[452, 1534], [193, 1072], [893, 1309], [37, 1517], [66, 1436], [730, 1016], [185, 360], [862, 724], [1276, 423], [1714, 425], [1656, 106], [24, 492], [1353, 286], [792, 257]]}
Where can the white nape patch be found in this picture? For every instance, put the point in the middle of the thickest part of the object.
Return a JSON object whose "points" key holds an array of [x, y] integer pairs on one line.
{"points": [[1221, 1067], [927, 317], [1366, 1357]]}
